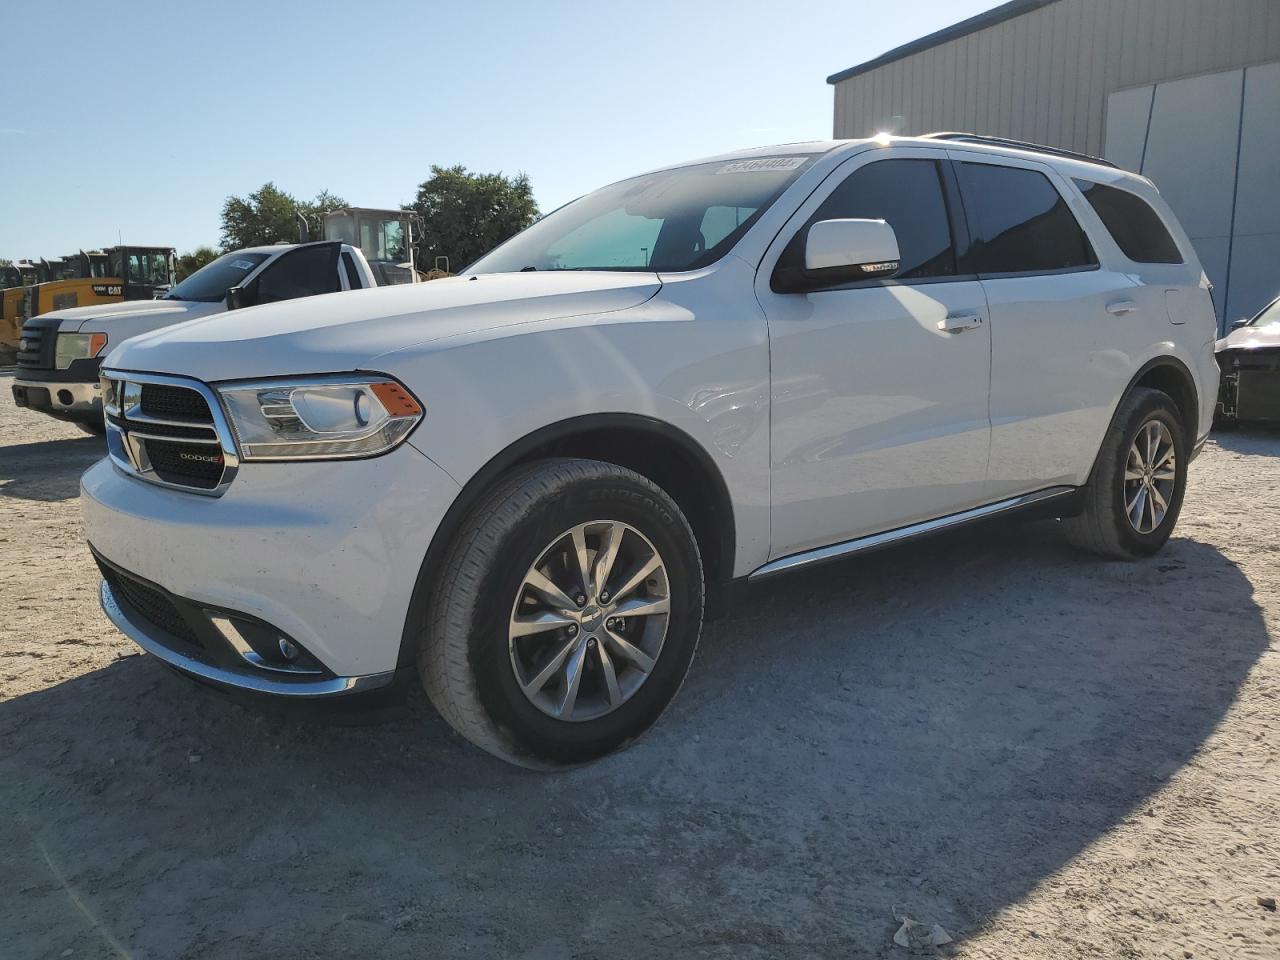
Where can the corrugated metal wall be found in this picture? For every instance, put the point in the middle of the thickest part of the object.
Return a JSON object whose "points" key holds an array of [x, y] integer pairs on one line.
{"points": [[1045, 76], [1223, 182]]}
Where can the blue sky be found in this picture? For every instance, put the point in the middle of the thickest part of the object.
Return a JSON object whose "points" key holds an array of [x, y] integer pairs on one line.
{"points": [[138, 120]]}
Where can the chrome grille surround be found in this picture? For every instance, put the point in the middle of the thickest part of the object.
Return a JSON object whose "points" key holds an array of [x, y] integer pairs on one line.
{"points": [[129, 430]]}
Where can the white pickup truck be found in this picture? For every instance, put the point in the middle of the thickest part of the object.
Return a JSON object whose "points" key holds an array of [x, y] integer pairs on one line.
{"points": [[60, 351]]}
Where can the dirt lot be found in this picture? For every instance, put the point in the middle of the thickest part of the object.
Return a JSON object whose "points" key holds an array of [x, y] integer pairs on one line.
{"points": [[1049, 756]]}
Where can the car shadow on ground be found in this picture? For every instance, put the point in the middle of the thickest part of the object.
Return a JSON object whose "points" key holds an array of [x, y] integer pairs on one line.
{"points": [[936, 728], [48, 470], [1249, 438]]}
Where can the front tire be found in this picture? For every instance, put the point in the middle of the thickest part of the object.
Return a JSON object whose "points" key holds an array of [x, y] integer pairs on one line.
{"points": [[566, 616], [1133, 499], [94, 428]]}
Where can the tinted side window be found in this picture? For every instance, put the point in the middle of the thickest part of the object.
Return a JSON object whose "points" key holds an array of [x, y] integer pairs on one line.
{"points": [[1019, 221], [301, 273], [906, 194], [1135, 227]]}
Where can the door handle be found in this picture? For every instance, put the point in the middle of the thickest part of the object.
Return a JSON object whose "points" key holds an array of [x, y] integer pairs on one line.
{"points": [[1119, 308], [960, 322]]}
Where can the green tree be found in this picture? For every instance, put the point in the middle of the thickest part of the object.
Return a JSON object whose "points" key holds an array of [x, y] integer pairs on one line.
{"points": [[468, 214], [314, 211], [269, 215], [189, 263]]}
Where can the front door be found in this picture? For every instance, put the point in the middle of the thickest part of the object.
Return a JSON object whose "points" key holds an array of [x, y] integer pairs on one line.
{"points": [[879, 387]]}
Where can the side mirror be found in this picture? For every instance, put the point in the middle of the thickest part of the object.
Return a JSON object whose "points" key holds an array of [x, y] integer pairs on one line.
{"points": [[238, 298], [1242, 322], [842, 251], [860, 248]]}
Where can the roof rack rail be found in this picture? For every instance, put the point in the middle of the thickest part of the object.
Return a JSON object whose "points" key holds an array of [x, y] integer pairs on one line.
{"points": [[1018, 145]]}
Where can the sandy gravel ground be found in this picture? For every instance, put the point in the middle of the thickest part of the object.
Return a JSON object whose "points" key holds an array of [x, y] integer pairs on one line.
{"points": [[1049, 756]]}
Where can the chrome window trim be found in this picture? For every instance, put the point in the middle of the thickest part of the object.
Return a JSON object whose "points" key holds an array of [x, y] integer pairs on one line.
{"points": [[127, 447]]}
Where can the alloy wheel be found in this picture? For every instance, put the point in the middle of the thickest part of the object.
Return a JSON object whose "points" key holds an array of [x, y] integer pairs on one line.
{"points": [[1150, 473], [589, 620]]}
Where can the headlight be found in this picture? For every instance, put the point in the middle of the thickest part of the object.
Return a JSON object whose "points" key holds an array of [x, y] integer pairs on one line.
{"points": [[320, 418], [77, 346]]}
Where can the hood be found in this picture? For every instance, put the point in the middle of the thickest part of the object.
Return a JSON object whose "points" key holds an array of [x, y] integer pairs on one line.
{"points": [[342, 331], [1251, 338], [162, 311]]}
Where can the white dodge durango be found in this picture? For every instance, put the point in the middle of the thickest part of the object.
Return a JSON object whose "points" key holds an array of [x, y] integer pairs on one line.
{"points": [[524, 484]]}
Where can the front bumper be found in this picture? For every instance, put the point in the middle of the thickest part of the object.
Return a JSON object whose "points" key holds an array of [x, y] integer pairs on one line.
{"points": [[79, 402], [203, 665], [326, 554], [1250, 388]]}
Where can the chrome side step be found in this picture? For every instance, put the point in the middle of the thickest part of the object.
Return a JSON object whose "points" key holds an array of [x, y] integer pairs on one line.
{"points": [[849, 547]]}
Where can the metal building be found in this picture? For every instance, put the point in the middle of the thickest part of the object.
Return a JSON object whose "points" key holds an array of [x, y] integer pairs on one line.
{"points": [[1186, 92]]}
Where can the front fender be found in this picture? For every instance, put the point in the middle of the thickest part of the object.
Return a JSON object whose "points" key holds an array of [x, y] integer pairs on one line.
{"points": [[695, 357]]}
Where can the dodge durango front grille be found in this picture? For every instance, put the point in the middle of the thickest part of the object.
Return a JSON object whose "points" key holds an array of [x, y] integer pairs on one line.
{"points": [[179, 403], [168, 431]]}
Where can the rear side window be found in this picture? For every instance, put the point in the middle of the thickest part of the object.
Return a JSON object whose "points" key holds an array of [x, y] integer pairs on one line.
{"points": [[1137, 229], [906, 194], [1020, 223]]}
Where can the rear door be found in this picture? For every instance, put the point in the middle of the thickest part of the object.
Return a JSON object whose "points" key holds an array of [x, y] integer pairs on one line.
{"points": [[879, 387], [1059, 351]]}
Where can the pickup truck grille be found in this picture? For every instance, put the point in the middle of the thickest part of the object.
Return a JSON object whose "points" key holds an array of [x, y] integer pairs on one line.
{"points": [[39, 344], [169, 431]]}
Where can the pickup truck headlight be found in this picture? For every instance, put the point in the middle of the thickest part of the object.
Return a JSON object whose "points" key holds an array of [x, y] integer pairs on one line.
{"points": [[319, 418], [77, 346]]}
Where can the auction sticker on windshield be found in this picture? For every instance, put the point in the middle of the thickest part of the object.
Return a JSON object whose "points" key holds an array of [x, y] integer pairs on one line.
{"points": [[762, 164]]}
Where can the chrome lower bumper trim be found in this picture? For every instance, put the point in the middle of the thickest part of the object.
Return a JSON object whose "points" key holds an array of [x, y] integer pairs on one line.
{"points": [[849, 547], [85, 397], [238, 679]]}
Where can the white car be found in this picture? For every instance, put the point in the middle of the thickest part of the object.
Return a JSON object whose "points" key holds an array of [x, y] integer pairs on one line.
{"points": [[1249, 356], [60, 351], [523, 484]]}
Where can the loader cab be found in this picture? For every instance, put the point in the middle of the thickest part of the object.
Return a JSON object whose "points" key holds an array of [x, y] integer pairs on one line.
{"points": [[14, 278], [385, 237], [86, 265], [144, 272], [103, 276], [50, 271]]}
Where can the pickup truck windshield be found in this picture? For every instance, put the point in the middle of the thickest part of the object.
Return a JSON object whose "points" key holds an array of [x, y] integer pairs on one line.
{"points": [[1268, 316], [678, 219], [211, 282]]}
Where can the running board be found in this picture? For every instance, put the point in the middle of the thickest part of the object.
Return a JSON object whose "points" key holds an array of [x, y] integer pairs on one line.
{"points": [[876, 540]]}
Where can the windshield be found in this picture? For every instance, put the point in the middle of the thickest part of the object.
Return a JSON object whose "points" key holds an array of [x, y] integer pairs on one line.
{"points": [[678, 219], [211, 282], [1269, 315], [149, 269]]}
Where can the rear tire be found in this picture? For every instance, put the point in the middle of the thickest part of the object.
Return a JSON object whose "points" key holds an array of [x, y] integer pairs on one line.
{"points": [[527, 580], [1133, 498]]}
